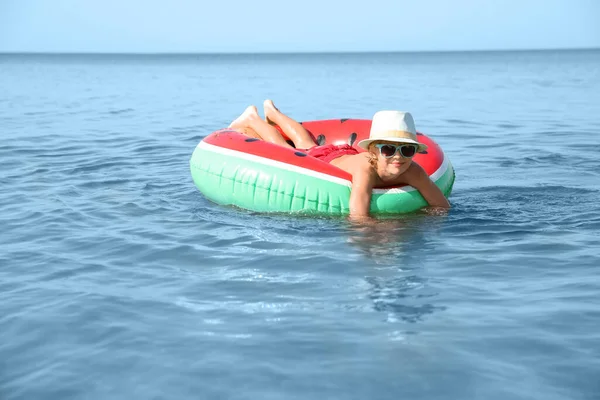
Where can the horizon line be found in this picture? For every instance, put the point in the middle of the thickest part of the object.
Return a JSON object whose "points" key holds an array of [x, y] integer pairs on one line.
{"points": [[306, 52]]}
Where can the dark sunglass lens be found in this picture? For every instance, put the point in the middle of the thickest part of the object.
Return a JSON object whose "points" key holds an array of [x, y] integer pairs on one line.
{"points": [[408, 151], [388, 150]]}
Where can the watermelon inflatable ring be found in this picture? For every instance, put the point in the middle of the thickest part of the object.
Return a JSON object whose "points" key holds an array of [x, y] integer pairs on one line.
{"points": [[231, 168]]}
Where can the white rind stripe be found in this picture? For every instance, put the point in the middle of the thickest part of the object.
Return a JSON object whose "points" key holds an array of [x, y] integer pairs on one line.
{"points": [[309, 172]]}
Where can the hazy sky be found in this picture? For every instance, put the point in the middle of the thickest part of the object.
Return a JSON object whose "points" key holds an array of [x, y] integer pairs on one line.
{"points": [[289, 26]]}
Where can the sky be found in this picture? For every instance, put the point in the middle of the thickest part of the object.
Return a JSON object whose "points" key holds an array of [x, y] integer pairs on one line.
{"points": [[224, 26]]}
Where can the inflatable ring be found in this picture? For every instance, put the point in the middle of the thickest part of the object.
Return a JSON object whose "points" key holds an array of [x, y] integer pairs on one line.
{"points": [[231, 168]]}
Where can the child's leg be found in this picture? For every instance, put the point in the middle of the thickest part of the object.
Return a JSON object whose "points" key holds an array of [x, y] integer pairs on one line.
{"points": [[295, 131], [250, 122]]}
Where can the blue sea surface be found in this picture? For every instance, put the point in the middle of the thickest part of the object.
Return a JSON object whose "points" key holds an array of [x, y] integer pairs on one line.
{"points": [[119, 280]]}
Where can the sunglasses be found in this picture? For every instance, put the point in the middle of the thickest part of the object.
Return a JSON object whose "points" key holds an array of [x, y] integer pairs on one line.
{"points": [[389, 150]]}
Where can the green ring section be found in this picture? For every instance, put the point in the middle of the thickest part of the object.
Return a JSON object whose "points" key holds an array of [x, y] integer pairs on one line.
{"points": [[256, 186]]}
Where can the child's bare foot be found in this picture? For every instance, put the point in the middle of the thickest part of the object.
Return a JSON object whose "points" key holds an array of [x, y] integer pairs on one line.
{"points": [[269, 109], [241, 122]]}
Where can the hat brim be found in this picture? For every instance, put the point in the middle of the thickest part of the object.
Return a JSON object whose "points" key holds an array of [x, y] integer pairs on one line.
{"points": [[364, 144]]}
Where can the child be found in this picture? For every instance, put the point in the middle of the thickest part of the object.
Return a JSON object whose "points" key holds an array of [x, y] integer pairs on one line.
{"points": [[390, 147]]}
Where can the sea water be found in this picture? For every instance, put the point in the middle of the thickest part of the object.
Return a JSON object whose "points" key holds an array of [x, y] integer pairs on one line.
{"points": [[119, 280]]}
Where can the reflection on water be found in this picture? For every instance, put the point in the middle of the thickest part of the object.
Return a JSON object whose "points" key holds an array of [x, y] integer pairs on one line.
{"points": [[406, 298], [397, 285], [388, 239]]}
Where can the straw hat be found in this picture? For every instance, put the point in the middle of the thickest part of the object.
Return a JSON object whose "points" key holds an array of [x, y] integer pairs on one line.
{"points": [[392, 126]]}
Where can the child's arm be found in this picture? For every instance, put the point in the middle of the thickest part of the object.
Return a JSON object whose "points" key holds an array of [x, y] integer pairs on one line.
{"points": [[363, 181], [430, 192]]}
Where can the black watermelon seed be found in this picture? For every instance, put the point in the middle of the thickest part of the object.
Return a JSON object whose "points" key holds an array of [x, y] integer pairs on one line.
{"points": [[419, 134], [423, 152], [299, 154], [342, 120], [252, 139], [352, 138], [321, 140]]}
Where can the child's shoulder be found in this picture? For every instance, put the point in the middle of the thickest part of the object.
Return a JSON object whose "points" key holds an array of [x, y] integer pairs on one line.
{"points": [[414, 174]]}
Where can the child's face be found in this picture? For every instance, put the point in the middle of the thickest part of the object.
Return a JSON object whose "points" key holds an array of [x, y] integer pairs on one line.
{"points": [[394, 165]]}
